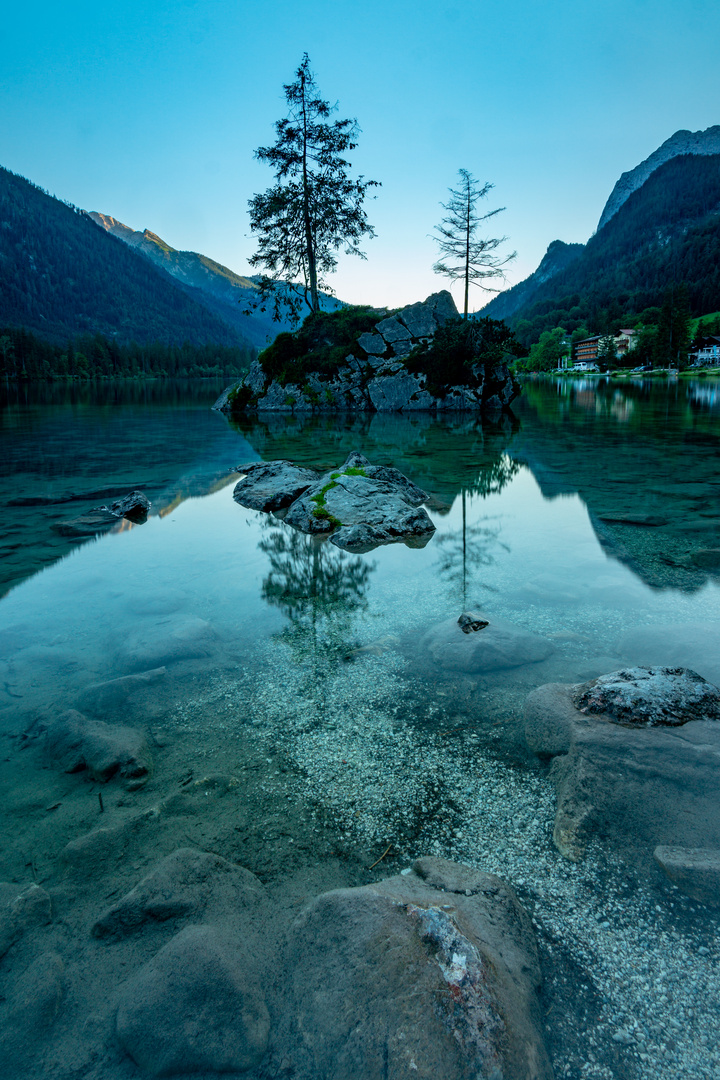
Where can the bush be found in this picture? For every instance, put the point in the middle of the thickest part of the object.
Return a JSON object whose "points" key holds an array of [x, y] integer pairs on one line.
{"points": [[447, 360], [321, 344]]}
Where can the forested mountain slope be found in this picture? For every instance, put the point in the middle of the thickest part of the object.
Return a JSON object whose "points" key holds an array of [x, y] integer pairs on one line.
{"points": [[61, 276], [665, 233]]}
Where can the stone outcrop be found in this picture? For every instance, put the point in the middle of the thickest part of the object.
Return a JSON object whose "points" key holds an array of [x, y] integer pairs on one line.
{"points": [[636, 760], [359, 505], [374, 377]]}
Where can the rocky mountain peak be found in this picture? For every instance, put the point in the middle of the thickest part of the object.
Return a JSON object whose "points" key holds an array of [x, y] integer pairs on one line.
{"points": [[682, 142]]}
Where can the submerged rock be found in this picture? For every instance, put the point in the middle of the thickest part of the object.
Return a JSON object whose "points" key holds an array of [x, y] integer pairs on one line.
{"points": [[696, 871], [644, 773], [73, 743], [424, 975], [474, 643], [188, 883], [22, 907], [195, 1007]]}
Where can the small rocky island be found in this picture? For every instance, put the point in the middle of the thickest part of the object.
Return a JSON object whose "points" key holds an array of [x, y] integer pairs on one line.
{"points": [[360, 505], [422, 357]]}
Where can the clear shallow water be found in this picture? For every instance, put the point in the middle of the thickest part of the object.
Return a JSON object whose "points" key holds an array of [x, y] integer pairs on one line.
{"points": [[300, 669]]}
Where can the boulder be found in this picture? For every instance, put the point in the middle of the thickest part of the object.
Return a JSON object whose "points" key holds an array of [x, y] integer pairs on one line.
{"points": [[73, 743], [187, 883], [21, 908], [272, 485], [362, 505], [494, 646], [644, 773], [135, 507], [696, 871], [433, 973], [195, 1007], [392, 330]]}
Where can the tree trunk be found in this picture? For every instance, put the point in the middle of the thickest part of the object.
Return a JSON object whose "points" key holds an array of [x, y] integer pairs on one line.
{"points": [[309, 240], [467, 251]]}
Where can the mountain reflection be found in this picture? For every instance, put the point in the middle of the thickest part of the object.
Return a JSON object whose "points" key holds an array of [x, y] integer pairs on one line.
{"points": [[642, 455]]}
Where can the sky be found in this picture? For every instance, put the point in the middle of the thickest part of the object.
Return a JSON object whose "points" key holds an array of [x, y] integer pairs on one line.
{"points": [[151, 110]]}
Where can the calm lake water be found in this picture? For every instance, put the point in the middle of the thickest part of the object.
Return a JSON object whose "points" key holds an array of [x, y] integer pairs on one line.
{"points": [[292, 687]]}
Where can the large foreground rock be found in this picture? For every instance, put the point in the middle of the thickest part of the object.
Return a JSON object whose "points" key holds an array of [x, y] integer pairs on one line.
{"points": [[637, 760], [195, 1007], [476, 642], [427, 975]]}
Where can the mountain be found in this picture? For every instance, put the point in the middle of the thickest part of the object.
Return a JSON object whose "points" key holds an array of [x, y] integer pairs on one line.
{"points": [[556, 258], [665, 232], [61, 276], [682, 142], [223, 291]]}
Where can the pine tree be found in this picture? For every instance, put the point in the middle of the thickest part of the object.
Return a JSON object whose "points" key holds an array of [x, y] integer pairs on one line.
{"points": [[314, 209], [470, 258]]}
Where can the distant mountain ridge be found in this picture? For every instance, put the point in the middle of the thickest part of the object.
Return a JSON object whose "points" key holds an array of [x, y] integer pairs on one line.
{"points": [[664, 232], [682, 142], [61, 276], [558, 256], [227, 293]]}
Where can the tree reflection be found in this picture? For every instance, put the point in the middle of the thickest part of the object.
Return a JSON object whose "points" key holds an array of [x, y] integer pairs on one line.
{"points": [[465, 549], [316, 585]]}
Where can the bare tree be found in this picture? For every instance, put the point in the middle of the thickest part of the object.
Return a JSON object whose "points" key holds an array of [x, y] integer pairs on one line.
{"points": [[465, 256]]}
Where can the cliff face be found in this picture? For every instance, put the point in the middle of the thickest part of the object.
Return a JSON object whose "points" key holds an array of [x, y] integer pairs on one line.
{"points": [[682, 142]]}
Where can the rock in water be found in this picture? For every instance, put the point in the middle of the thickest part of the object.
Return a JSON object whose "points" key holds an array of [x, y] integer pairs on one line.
{"points": [[194, 1008], [73, 743], [458, 645], [135, 507], [644, 773], [272, 485], [427, 975], [360, 505]]}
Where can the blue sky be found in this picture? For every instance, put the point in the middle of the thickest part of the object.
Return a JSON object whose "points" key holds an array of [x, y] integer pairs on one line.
{"points": [[150, 111]]}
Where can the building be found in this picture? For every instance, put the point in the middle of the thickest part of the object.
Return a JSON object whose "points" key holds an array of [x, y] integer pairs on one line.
{"points": [[624, 341], [586, 351], [708, 351]]}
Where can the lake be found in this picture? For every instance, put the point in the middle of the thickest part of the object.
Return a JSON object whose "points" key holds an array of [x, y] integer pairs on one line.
{"points": [[297, 721]]}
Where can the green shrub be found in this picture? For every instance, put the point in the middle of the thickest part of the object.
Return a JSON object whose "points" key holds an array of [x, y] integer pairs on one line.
{"points": [[321, 344], [457, 347]]}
